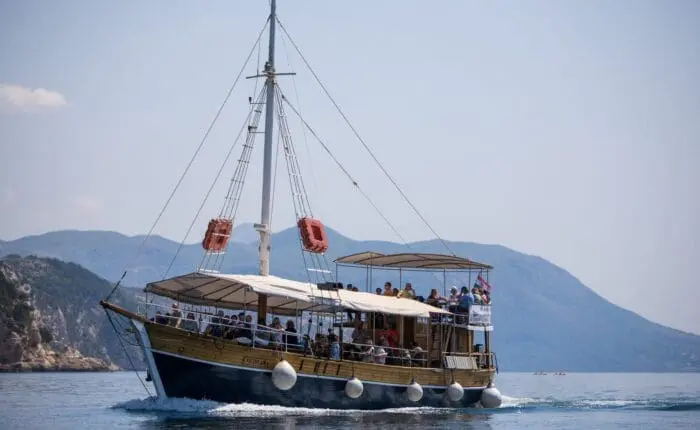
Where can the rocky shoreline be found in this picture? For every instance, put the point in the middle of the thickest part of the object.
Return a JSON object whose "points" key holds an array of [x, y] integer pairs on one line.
{"points": [[52, 361]]}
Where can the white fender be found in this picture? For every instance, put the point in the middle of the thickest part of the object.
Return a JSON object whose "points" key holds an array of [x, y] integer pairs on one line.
{"points": [[414, 392], [491, 397], [354, 388], [455, 392], [284, 376]]}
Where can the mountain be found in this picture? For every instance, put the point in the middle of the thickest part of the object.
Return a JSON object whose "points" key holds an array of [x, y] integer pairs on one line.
{"points": [[544, 317], [50, 318]]}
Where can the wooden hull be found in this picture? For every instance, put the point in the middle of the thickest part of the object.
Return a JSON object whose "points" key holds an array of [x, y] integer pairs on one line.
{"points": [[184, 377], [196, 366], [202, 367]]}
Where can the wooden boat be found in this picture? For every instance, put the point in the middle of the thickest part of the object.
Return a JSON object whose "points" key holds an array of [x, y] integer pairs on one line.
{"points": [[403, 351]]}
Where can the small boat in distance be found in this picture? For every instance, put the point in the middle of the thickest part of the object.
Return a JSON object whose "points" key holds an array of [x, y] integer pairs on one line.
{"points": [[224, 339]]}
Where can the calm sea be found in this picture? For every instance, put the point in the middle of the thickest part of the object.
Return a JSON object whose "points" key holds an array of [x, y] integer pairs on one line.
{"points": [[59, 401]]}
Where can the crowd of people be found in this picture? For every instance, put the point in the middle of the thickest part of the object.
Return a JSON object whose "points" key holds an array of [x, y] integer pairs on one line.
{"points": [[360, 347]]}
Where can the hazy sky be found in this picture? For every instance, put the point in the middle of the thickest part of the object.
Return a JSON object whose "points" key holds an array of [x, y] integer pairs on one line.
{"points": [[569, 130]]}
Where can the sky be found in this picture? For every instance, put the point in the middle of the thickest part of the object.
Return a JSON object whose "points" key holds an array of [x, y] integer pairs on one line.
{"points": [[568, 130]]}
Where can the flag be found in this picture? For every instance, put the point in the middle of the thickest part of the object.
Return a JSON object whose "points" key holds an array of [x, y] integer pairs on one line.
{"points": [[483, 284]]}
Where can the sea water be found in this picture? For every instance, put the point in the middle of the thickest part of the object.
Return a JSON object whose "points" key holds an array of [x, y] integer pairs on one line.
{"points": [[59, 401]]}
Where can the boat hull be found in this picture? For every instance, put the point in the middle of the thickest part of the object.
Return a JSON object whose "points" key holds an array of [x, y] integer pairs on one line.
{"points": [[196, 379], [196, 366]]}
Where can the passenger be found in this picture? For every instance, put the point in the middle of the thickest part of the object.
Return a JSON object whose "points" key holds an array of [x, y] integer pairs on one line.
{"points": [[160, 319], [276, 332], [466, 299], [477, 296], [434, 298], [486, 297], [387, 289], [215, 328], [332, 336], [416, 354], [395, 292], [321, 348], [174, 316], [367, 355], [408, 292], [189, 324], [335, 349], [380, 353], [359, 337], [391, 336], [453, 298], [291, 338], [231, 331], [176, 311], [247, 330], [378, 291], [359, 334]]}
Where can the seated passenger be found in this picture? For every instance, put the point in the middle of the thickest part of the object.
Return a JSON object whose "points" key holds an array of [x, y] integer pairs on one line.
{"points": [[367, 353], [391, 336], [408, 292], [387, 289], [276, 332], [416, 354], [466, 299], [291, 338], [378, 291], [379, 352], [160, 319], [453, 298], [334, 348], [477, 296], [189, 324], [434, 298]]}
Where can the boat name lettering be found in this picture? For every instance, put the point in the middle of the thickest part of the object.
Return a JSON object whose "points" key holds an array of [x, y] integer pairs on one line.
{"points": [[259, 362]]}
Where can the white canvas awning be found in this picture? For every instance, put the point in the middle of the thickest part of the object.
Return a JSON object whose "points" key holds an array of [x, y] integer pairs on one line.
{"points": [[236, 291], [284, 296], [367, 302]]}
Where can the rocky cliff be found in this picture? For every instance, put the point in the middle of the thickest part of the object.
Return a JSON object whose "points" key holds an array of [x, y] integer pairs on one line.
{"points": [[50, 319]]}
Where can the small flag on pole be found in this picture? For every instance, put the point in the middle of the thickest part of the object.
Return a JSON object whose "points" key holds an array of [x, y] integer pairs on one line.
{"points": [[483, 284]]}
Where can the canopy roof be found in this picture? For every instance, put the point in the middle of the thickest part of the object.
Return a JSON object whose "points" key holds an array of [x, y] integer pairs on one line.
{"points": [[412, 261], [284, 296], [235, 291], [368, 302]]}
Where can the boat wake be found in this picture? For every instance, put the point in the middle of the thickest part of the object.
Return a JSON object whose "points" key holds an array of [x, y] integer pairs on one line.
{"points": [[188, 407], [207, 407], [550, 404]]}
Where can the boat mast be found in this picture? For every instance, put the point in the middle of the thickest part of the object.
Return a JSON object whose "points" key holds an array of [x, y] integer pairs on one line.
{"points": [[264, 226]]}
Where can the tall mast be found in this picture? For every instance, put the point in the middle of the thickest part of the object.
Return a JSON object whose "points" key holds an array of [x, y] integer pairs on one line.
{"points": [[264, 226]]}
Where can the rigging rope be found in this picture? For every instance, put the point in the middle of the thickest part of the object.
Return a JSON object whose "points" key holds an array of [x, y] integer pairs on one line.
{"points": [[211, 188], [345, 171], [362, 141], [119, 336], [303, 129], [302, 205], [196, 152]]}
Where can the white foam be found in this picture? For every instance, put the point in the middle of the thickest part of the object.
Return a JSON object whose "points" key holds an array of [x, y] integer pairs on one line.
{"points": [[208, 407], [514, 402]]}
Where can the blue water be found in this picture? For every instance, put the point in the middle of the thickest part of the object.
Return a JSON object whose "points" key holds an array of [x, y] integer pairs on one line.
{"points": [[575, 401]]}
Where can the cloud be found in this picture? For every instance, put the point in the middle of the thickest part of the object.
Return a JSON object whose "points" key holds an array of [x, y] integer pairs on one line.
{"points": [[26, 99]]}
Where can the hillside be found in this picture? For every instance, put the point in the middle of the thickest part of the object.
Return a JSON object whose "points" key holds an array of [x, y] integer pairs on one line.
{"points": [[50, 318], [544, 317]]}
